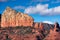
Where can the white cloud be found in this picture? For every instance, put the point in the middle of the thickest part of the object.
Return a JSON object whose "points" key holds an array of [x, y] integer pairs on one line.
{"points": [[40, 0], [19, 7], [42, 9], [48, 22]]}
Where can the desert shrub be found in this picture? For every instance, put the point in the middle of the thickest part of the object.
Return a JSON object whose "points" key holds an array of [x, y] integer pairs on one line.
{"points": [[25, 30], [11, 32], [38, 38], [7, 38], [18, 30]]}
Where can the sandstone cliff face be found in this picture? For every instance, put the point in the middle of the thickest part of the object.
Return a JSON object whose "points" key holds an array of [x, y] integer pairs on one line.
{"points": [[8, 18], [12, 18], [23, 20]]}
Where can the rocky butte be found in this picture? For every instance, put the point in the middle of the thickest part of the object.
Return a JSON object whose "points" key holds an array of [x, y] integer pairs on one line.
{"points": [[19, 26], [11, 18]]}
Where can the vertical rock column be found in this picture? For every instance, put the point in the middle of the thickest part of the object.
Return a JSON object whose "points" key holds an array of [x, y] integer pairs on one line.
{"points": [[8, 18], [28, 20], [18, 19], [12, 18], [23, 20], [36, 25], [4, 21], [41, 26], [4, 18]]}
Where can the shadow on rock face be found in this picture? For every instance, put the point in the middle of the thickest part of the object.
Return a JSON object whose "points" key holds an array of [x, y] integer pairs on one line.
{"points": [[38, 38], [58, 28], [7, 37]]}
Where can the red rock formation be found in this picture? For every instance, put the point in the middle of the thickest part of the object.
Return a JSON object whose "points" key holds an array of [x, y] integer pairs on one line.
{"points": [[41, 26], [16, 34], [36, 25], [23, 37], [53, 35], [23, 20], [10, 18]]}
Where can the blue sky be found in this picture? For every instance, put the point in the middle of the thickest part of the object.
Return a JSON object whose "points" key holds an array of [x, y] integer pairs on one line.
{"points": [[40, 10]]}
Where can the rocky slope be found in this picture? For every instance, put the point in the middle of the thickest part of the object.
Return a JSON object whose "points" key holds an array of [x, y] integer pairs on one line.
{"points": [[54, 34], [24, 33]]}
